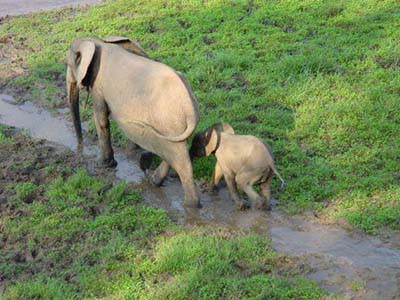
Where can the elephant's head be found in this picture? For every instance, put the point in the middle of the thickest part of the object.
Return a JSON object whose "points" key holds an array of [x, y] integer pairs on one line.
{"points": [[207, 141], [81, 69], [79, 58]]}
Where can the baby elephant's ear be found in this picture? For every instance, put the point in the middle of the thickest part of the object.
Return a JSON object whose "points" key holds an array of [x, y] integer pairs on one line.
{"points": [[207, 135], [224, 127], [127, 44]]}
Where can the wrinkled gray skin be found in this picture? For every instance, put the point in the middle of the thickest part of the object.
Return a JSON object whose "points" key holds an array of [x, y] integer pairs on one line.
{"points": [[152, 103], [242, 160]]}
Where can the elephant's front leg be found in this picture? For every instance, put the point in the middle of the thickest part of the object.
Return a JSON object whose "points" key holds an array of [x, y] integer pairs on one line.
{"points": [[160, 173], [233, 192], [102, 122]]}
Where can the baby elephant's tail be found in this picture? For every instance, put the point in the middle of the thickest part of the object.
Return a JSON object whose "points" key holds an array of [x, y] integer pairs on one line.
{"points": [[283, 184]]}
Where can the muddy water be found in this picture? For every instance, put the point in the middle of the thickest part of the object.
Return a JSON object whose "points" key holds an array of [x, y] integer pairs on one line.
{"points": [[353, 265], [18, 7]]}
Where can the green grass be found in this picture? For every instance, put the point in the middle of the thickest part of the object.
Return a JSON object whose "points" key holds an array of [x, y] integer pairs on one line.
{"points": [[3, 137], [317, 80], [85, 238], [24, 190]]}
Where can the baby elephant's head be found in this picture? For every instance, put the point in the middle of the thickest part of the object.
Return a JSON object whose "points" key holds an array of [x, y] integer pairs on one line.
{"points": [[207, 141], [199, 144]]}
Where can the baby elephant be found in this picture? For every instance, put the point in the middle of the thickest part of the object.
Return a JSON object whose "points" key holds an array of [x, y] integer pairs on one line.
{"points": [[243, 160]]}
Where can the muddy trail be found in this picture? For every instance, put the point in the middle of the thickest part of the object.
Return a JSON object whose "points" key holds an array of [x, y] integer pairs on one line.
{"points": [[352, 264], [18, 7]]}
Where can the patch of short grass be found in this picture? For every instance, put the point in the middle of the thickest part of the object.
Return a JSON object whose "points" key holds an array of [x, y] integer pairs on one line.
{"points": [[215, 264], [85, 238], [317, 80], [3, 137], [24, 190], [367, 210]]}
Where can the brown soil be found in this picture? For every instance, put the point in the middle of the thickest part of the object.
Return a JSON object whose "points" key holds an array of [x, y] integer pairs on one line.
{"points": [[29, 160], [11, 58], [24, 160]]}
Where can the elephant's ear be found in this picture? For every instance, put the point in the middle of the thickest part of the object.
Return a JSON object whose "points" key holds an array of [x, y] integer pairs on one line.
{"points": [[127, 44], [83, 57]]}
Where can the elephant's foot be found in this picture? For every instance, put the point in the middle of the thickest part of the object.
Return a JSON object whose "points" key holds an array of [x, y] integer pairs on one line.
{"points": [[213, 189], [192, 204], [107, 162], [192, 199], [155, 179], [158, 176], [262, 205], [192, 216], [242, 204]]}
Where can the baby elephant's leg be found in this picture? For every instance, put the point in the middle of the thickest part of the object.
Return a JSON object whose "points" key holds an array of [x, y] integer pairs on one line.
{"points": [[266, 192], [216, 177], [266, 188], [145, 161], [246, 181], [230, 182]]}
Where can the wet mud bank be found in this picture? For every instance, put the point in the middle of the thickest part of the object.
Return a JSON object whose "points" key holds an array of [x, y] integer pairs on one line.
{"points": [[354, 265], [18, 7]]}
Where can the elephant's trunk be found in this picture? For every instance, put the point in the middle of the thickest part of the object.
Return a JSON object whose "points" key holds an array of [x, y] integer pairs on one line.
{"points": [[73, 97]]}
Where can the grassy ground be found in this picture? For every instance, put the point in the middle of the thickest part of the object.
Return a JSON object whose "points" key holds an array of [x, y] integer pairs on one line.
{"points": [[317, 80], [65, 234]]}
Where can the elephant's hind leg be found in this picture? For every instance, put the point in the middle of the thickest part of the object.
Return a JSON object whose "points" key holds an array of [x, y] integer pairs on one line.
{"points": [[245, 182], [266, 188], [101, 112], [183, 166]]}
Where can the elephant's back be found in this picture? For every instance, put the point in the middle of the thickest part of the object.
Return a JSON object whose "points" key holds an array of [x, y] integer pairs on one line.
{"points": [[246, 151], [150, 92]]}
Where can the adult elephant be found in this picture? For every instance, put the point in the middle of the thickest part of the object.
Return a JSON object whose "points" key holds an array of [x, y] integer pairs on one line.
{"points": [[152, 104]]}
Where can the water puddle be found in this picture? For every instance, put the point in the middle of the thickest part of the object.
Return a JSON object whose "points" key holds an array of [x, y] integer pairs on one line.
{"points": [[18, 7], [355, 265], [41, 124]]}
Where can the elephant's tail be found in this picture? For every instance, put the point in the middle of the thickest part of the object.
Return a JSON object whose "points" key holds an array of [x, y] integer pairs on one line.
{"points": [[191, 125], [279, 176]]}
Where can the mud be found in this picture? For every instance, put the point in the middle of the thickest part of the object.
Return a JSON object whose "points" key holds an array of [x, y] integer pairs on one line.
{"points": [[41, 124], [352, 264], [25, 160], [18, 7]]}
